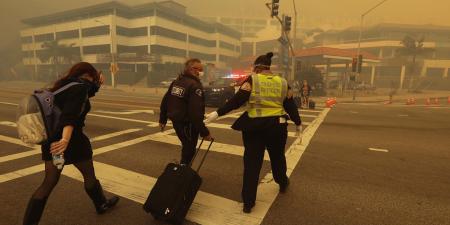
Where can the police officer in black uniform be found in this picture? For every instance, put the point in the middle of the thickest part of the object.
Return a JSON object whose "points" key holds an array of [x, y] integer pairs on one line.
{"points": [[263, 125], [184, 105]]}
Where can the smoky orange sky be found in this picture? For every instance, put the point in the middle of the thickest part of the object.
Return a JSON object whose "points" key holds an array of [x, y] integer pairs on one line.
{"points": [[319, 13]]}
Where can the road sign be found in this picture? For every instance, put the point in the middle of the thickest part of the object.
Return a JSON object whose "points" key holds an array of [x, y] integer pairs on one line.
{"points": [[114, 68]]}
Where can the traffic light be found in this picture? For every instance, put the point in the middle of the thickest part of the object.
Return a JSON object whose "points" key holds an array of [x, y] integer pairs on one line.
{"points": [[354, 64], [275, 6], [287, 23], [360, 61]]}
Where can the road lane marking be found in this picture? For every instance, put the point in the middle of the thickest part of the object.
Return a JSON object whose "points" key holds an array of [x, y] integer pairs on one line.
{"points": [[125, 119], [127, 112], [115, 134], [20, 155], [207, 209], [227, 126], [216, 147], [126, 105], [268, 189], [21, 173], [15, 141], [309, 110], [36, 148], [403, 115], [8, 123], [8, 103], [378, 150]]}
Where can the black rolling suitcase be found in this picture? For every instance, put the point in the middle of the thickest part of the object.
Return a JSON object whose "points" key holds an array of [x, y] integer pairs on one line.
{"points": [[174, 191]]}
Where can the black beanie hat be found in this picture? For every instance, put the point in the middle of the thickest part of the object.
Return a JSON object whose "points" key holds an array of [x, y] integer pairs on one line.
{"points": [[264, 60]]}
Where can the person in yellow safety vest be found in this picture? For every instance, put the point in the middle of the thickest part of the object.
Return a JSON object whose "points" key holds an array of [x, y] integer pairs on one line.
{"points": [[264, 125]]}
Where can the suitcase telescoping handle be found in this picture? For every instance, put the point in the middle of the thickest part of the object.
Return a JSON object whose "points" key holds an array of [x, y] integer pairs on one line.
{"points": [[204, 156]]}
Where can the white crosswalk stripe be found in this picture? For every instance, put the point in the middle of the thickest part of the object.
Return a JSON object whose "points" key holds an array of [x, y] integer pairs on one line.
{"points": [[207, 208]]}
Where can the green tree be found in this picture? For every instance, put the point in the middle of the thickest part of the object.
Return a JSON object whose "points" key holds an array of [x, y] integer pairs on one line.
{"points": [[59, 54], [413, 48]]}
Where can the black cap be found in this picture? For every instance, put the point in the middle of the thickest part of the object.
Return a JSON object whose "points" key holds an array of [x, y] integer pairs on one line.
{"points": [[264, 60]]}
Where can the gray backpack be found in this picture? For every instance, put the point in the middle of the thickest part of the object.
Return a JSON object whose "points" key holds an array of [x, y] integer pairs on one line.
{"points": [[38, 117]]}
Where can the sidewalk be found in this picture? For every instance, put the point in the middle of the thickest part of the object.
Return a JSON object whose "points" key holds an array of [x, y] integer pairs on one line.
{"points": [[382, 95], [377, 96]]}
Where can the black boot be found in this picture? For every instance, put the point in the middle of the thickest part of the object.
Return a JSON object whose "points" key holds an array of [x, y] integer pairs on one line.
{"points": [[98, 198], [34, 211]]}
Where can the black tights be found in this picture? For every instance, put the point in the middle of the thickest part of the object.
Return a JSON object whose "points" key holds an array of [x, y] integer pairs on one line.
{"points": [[52, 175]]}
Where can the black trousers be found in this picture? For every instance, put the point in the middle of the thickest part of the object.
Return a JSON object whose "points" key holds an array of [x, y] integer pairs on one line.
{"points": [[255, 143], [188, 136]]}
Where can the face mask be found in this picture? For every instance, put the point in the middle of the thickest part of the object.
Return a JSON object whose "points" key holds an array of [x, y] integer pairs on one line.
{"points": [[92, 87], [201, 74]]}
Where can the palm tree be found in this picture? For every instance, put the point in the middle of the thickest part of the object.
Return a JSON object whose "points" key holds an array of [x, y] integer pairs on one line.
{"points": [[58, 54], [414, 48]]}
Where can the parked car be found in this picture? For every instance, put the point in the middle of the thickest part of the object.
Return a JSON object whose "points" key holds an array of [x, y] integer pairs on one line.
{"points": [[219, 91], [166, 83]]}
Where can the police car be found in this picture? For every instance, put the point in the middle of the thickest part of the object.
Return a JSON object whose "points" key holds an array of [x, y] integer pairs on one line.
{"points": [[219, 91]]}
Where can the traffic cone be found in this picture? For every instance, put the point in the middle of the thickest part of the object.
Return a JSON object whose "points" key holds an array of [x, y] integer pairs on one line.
{"points": [[436, 101], [408, 101], [329, 103], [428, 102], [413, 101]]}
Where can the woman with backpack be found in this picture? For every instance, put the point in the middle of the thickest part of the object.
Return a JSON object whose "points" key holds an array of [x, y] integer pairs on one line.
{"points": [[70, 141]]}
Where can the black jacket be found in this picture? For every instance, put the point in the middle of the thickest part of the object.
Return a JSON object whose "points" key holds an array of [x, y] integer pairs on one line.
{"points": [[184, 102], [245, 123]]}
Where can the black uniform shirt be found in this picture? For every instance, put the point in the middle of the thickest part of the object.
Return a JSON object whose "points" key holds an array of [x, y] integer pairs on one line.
{"points": [[185, 102], [244, 122]]}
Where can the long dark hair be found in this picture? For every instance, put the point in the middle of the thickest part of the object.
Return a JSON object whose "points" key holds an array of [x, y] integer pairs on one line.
{"points": [[75, 72]]}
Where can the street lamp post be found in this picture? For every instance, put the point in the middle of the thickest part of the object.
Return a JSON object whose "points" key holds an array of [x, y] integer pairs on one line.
{"points": [[113, 62], [294, 62], [359, 41]]}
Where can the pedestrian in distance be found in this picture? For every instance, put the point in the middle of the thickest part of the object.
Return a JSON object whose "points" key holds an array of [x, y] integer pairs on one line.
{"points": [[184, 105], [71, 142], [305, 92], [263, 125]]}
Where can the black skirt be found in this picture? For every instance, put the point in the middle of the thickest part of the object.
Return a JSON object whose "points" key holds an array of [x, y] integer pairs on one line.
{"points": [[78, 150]]}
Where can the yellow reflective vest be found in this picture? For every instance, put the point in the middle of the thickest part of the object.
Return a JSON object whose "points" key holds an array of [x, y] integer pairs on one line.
{"points": [[268, 94]]}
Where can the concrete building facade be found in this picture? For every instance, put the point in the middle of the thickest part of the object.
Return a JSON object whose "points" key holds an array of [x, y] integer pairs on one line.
{"points": [[133, 38]]}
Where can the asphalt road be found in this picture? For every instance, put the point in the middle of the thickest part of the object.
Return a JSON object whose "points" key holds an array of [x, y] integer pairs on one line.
{"points": [[357, 164]]}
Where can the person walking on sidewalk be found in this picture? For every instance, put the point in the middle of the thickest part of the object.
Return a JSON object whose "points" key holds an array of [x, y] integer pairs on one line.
{"points": [[71, 142], [305, 91], [184, 105], [263, 125]]}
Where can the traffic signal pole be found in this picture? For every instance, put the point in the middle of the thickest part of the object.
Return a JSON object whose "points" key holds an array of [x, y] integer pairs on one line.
{"points": [[294, 38], [273, 7]]}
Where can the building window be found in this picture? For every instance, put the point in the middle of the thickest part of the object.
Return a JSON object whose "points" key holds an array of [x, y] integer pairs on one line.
{"points": [[44, 37], [132, 32], [67, 34], [164, 50], [27, 39], [225, 45], [202, 56], [161, 31], [201, 41], [96, 49], [140, 50], [226, 59], [95, 31]]}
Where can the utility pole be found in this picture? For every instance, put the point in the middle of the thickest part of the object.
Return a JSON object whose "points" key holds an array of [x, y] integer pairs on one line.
{"points": [[294, 38], [359, 43]]}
